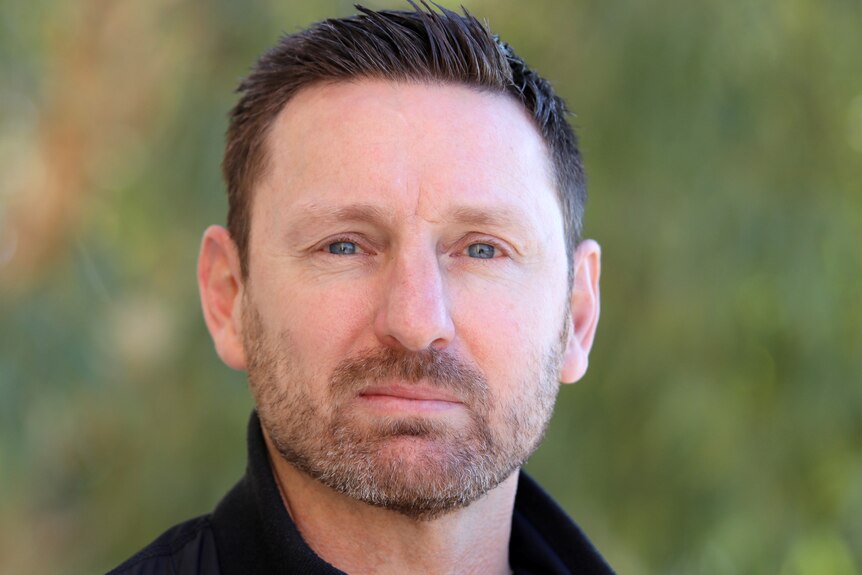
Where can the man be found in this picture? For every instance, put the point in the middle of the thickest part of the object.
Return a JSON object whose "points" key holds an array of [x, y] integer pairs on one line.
{"points": [[403, 280]]}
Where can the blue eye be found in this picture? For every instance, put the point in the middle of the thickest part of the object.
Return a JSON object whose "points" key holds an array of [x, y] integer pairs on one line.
{"points": [[481, 251], [342, 248]]}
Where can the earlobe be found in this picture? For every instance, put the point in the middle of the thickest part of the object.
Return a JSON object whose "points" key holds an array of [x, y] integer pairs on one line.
{"points": [[221, 289], [584, 311]]}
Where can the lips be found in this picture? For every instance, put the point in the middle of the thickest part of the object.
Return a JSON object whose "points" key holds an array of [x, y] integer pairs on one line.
{"points": [[409, 398], [414, 392]]}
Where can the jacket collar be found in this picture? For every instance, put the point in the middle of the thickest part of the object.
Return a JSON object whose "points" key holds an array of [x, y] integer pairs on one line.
{"points": [[255, 534]]}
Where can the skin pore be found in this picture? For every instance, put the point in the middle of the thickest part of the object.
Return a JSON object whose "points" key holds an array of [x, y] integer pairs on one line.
{"points": [[406, 318]]}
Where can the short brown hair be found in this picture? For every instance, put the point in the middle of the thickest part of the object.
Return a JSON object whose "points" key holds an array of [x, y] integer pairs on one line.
{"points": [[412, 46]]}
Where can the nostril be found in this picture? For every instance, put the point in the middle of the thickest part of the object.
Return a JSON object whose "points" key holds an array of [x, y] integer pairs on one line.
{"points": [[414, 309], [415, 328]]}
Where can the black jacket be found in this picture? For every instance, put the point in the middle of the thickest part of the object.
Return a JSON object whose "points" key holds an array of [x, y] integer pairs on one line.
{"points": [[250, 532]]}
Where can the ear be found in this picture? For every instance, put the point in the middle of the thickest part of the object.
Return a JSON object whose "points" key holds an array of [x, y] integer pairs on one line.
{"points": [[584, 311], [221, 289]]}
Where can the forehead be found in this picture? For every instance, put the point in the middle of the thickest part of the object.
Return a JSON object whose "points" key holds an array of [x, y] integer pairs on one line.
{"points": [[408, 146]]}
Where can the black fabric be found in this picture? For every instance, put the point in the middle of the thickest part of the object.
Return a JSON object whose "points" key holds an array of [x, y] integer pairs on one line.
{"points": [[250, 532]]}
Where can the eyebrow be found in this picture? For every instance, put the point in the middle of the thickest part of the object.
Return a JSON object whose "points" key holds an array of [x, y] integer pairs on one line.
{"points": [[496, 216], [500, 217], [316, 213]]}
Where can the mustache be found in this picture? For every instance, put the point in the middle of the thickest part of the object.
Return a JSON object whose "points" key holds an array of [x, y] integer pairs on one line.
{"points": [[434, 367]]}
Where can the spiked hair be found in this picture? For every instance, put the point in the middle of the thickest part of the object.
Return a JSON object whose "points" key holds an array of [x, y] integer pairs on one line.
{"points": [[422, 45]]}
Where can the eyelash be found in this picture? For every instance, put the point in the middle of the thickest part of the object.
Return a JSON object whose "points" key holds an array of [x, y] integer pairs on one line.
{"points": [[349, 239], [500, 249]]}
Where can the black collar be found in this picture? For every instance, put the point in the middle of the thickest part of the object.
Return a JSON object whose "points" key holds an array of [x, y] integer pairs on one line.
{"points": [[255, 534]]}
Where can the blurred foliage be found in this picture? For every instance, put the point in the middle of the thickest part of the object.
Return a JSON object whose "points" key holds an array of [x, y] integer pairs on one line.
{"points": [[719, 430]]}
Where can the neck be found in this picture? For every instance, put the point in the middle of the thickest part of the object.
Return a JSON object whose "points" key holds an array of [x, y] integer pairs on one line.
{"points": [[359, 538]]}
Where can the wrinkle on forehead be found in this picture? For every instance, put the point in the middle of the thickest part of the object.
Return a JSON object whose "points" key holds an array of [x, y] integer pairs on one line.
{"points": [[367, 117], [415, 149]]}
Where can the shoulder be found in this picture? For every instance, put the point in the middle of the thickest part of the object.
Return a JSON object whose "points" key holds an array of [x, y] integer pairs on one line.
{"points": [[185, 549], [545, 539]]}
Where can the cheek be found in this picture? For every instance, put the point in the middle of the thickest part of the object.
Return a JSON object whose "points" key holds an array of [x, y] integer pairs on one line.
{"points": [[325, 321], [333, 317], [505, 330]]}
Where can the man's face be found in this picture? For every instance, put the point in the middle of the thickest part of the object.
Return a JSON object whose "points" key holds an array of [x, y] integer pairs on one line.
{"points": [[405, 312]]}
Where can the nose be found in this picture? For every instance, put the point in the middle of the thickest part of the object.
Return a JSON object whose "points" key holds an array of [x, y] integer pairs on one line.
{"points": [[414, 311]]}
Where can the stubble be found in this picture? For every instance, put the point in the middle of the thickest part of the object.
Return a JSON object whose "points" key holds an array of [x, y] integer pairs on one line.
{"points": [[418, 466]]}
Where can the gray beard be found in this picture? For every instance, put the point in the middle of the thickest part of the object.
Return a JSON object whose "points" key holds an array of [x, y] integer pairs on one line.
{"points": [[415, 466]]}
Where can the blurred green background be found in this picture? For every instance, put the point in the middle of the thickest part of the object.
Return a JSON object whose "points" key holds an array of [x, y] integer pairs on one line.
{"points": [[719, 430]]}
